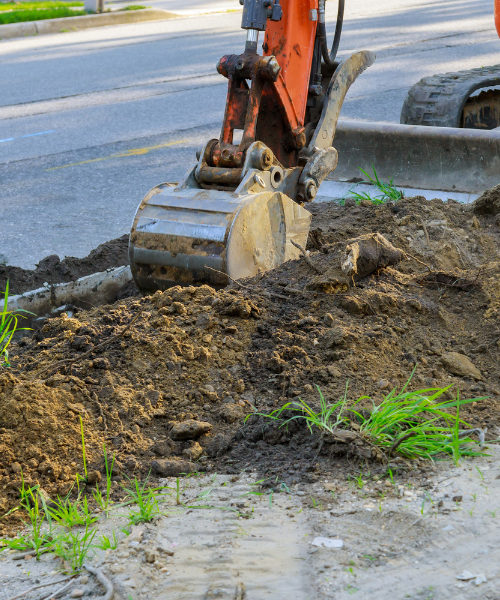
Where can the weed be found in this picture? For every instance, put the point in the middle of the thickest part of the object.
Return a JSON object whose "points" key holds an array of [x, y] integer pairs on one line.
{"points": [[390, 192], [74, 547], [71, 514], [470, 511], [145, 500], [329, 418], [391, 476], [84, 455], [104, 500], [38, 538], [134, 7], [108, 544], [480, 473], [493, 513], [415, 423], [422, 508], [8, 325], [474, 497]]}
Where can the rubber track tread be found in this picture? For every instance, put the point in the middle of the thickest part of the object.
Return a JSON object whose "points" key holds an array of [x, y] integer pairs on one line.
{"points": [[439, 100]]}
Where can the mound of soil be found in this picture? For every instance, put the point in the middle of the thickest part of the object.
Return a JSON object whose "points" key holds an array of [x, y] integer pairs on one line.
{"points": [[171, 392], [52, 269]]}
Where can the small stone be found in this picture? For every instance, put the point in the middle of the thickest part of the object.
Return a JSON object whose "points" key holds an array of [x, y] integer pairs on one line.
{"points": [[333, 337], [231, 413], [307, 321], [457, 498], [153, 396], [193, 452], [78, 593], [333, 371], [84, 580], [240, 386], [15, 467], [459, 364], [173, 468], [190, 430], [162, 448], [383, 384], [93, 477], [328, 320], [150, 556]]}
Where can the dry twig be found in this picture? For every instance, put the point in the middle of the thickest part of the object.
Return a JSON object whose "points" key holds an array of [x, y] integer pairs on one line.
{"points": [[37, 587], [306, 257], [103, 580]]}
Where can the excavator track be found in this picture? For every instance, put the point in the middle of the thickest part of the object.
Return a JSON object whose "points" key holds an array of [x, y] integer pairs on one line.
{"points": [[444, 100]]}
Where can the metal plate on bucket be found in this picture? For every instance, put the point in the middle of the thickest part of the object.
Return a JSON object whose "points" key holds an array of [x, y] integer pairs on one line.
{"points": [[178, 233]]}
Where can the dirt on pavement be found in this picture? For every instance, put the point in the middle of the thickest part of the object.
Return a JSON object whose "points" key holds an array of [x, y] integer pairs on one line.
{"points": [[171, 394]]}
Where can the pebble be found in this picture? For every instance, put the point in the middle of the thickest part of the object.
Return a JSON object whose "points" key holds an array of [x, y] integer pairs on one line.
{"points": [[383, 384], [77, 593], [84, 580]]}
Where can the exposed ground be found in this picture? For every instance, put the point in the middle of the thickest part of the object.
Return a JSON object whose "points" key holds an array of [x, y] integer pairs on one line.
{"points": [[212, 357]]}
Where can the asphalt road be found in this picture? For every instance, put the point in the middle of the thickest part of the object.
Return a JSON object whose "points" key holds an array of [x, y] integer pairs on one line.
{"points": [[90, 120]]}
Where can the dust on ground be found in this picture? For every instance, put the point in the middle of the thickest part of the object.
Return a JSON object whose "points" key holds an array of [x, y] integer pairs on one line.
{"points": [[52, 269], [170, 395]]}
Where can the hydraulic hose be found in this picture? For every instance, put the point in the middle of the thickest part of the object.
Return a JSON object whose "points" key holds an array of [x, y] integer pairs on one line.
{"points": [[329, 56]]}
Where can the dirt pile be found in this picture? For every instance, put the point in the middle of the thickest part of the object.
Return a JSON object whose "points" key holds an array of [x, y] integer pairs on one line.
{"points": [[53, 270], [211, 357]]}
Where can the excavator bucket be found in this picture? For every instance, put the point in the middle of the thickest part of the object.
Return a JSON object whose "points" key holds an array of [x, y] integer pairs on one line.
{"points": [[183, 235]]}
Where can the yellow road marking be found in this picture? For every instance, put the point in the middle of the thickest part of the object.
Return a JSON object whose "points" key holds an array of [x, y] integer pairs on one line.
{"points": [[132, 152]]}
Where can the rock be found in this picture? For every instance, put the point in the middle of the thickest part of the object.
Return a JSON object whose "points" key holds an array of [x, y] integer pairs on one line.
{"points": [[190, 430], [93, 477], [333, 371], [239, 386], [173, 468], [459, 364], [349, 203], [307, 321], [383, 384], [153, 396], [333, 337], [150, 556], [162, 448], [328, 320], [77, 593], [15, 467], [231, 413], [194, 452]]}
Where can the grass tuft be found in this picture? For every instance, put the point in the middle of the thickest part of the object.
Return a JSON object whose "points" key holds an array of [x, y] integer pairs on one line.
{"points": [[389, 192], [412, 424], [35, 14]]}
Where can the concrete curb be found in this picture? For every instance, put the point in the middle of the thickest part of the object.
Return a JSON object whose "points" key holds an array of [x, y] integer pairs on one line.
{"points": [[92, 290], [14, 30]]}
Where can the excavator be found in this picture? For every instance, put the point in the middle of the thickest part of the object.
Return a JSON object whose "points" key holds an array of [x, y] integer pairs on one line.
{"points": [[241, 209]]}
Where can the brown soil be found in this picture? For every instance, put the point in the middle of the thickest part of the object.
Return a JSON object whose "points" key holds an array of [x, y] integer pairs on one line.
{"points": [[52, 269], [207, 355]]}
